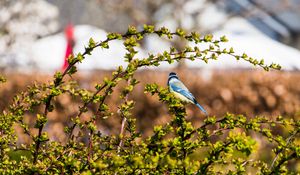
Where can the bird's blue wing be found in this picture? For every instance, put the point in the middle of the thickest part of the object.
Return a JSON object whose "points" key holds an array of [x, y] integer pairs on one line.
{"points": [[183, 92], [188, 95]]}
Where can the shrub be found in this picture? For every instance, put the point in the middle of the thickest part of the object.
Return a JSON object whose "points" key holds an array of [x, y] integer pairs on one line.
{"points": [[220, 145]]}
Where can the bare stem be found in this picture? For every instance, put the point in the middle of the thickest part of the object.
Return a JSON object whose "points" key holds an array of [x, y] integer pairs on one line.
{"points": [[288, 141], [123, 121]]}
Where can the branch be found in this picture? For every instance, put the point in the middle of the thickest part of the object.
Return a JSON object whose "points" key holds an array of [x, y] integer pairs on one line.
{"points": [[288, 141]]}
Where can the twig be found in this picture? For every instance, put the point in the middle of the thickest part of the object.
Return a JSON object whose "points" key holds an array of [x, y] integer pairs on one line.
{"points": [[81, 111], [58, 81], [288, 141], [203, 169], [281, 162], [122, 133]]}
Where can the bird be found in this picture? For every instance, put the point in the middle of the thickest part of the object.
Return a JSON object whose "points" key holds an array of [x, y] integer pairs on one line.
{"points": [[181, 91]]}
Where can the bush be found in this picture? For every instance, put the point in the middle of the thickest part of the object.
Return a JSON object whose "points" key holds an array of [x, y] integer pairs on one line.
{"points": [[223, 145]]}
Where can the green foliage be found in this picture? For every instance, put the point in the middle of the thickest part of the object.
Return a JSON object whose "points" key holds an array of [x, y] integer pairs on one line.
{"points": [[175, 147]]}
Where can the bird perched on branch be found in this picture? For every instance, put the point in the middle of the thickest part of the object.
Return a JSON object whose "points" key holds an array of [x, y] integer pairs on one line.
{"points": [[180, 91]]}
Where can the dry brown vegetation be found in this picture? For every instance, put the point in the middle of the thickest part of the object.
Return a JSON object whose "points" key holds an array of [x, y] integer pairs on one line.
{"points": [[240, 92]]}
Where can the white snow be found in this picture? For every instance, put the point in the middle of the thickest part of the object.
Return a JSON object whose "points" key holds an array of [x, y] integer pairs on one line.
{"points": [[49, 52]]}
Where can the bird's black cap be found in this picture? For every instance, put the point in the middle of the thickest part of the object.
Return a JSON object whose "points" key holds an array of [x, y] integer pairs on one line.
{"points": [[172, 74]]}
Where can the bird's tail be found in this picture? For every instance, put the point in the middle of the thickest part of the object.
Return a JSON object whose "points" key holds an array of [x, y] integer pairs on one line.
{"points": [[201, 108]]}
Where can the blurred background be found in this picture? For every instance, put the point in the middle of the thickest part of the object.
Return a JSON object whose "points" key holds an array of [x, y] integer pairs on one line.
{"points": [[37, 35], [34, 34]]}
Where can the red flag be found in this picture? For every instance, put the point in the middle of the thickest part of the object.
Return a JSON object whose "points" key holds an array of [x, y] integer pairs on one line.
{"points": [[69, 34]]}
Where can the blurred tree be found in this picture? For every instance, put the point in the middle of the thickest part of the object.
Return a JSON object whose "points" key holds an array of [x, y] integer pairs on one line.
{"points": [[21, 23]]}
